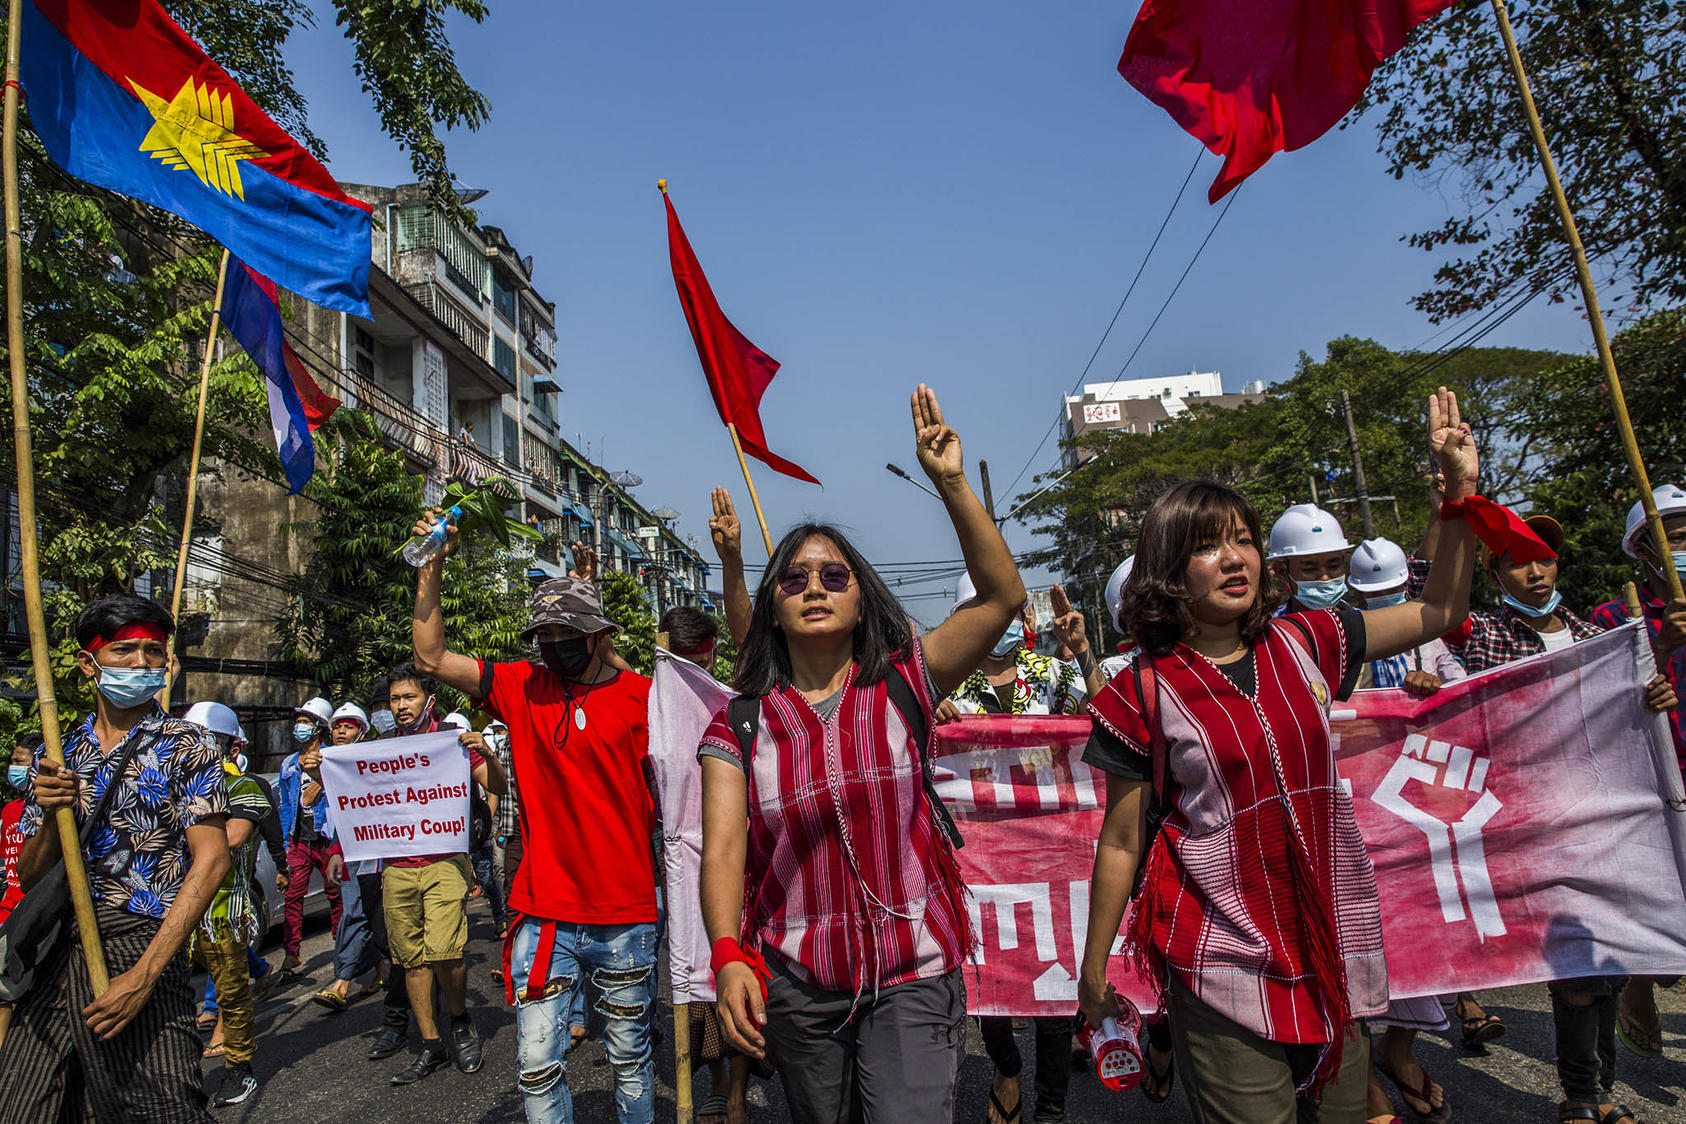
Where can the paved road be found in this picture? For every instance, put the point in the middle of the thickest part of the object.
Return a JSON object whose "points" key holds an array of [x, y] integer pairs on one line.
{"points": [[313, 1068]]}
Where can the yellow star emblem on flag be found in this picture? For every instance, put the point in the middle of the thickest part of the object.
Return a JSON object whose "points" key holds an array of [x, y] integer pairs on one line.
{"points": [[195, 131]]}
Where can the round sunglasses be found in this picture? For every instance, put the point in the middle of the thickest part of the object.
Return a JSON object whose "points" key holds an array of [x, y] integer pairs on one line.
{"points": [[834, 576]]}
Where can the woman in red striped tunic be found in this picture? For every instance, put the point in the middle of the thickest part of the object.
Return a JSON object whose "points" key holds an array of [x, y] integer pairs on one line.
{"points": [[1257, 911], [839, 954]]}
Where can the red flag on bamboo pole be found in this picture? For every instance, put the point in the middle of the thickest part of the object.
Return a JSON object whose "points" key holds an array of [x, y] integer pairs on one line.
{"points": [[738, 372], [1251, 78]]}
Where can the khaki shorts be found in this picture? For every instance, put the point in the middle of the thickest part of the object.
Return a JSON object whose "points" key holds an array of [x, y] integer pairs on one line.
{"points": [[426, 911]]}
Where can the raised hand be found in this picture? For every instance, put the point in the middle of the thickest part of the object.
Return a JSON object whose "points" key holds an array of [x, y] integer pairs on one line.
{"points": [[1068, 625], [585, 564], [936, 444], [429, 520], [724, 527], [1452, 444]]}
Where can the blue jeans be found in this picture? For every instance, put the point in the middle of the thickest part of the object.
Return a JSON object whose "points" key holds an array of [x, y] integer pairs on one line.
{"points": [[486, 873], [620, 962], [255, 964], [354, 945]]}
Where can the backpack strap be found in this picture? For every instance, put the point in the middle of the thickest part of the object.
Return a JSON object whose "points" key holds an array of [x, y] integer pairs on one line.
{"points": [[743, 714], [918, 724]]}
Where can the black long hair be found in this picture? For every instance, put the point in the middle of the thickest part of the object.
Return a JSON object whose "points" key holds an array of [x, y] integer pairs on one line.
{"points": [[1154, 606], [882, 633]]}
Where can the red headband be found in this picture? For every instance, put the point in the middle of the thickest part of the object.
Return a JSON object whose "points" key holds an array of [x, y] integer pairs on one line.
{"points": [[136, 631], [709, 647]]}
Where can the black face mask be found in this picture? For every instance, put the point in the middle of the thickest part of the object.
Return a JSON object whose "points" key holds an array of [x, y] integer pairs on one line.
{"points": [[567, 658]]}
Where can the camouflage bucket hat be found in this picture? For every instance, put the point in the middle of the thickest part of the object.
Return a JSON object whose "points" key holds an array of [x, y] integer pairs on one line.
{"points": [[570, 603]]}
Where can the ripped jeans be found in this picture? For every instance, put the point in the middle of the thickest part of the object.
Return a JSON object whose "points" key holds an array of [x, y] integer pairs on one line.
{"points": [[620, 961]]}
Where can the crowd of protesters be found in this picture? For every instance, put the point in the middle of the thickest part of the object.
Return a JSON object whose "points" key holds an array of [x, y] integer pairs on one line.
{"points": [[830, 888]]}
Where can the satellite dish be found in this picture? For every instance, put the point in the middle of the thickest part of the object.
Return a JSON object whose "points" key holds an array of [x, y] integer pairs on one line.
{"points": [[626, 479], [665, 513]]}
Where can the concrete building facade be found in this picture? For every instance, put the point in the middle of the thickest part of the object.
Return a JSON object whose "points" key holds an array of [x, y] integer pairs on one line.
{"points": [[1143, 405]]}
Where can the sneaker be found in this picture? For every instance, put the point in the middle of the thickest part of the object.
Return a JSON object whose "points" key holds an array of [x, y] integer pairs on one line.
{"points": [[237, 1085], [388, 1042], [466, 1043], [427, 1059]]}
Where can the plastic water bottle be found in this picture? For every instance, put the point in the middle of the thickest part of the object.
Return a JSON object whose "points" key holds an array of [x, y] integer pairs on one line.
{"points": [[1115, 1047], [421, 549]]}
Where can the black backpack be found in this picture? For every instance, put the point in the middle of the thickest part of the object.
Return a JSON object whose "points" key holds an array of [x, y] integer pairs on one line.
{"points": [[744, 715]]}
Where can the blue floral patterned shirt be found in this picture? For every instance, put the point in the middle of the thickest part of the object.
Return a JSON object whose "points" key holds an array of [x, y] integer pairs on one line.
{"points": [[138, 858]]}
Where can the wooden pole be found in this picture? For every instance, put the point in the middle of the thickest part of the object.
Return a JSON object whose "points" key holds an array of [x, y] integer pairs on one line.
{"points": [[1583, 271], [1630, 597], [39, 655], [682, 1062], [193, 469], [753, 498]]}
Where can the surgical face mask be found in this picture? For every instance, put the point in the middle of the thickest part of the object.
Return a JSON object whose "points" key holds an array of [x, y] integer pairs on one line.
{"points": [[304, 732], [129, 687], [1397, 597], [1324, 594], [1009, 642], [1679, 557], [567, 658], [494, 740], [17, 776], [1545, 610], [421, 722], [383, 721]]}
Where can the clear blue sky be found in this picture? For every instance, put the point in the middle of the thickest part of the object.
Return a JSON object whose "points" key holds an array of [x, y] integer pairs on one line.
{"points": [[883, 195]]}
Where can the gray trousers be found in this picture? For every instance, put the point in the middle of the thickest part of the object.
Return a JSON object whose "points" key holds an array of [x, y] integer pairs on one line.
{"points": [[895, 1060], [1233, 1076]]}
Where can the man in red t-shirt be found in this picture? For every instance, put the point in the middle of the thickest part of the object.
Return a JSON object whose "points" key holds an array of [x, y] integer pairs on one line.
{"points": [[584, 897]]}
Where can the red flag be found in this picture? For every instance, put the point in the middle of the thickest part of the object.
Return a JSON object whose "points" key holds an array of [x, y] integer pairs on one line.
{"points": [[738, 372], [1251, 78]]}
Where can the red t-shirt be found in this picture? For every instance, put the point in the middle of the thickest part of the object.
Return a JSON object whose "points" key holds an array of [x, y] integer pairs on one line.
{"points": [[11, 844], [586, 814]]}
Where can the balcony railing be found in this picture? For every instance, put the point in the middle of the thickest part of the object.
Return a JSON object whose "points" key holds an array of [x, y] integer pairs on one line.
{"points": [[541, 346], [401, 425], [464, 324], [472, 466]]}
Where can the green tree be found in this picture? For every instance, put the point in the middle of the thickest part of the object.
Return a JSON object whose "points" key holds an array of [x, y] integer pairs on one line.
{"points": [[624, 604], [1607, 76]]}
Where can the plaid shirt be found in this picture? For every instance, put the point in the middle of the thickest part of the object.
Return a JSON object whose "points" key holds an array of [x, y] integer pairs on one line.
{"points": [[1613, 614], [1251, 778], [1487, 640], [849, 879]]}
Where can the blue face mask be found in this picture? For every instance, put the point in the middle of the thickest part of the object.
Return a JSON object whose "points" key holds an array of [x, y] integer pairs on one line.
{"points": [[1545, 610], [1679, 557], [1009, 642], [304, 733], [1385, 600], [17, 776], [1320, 595], [129, 687]]}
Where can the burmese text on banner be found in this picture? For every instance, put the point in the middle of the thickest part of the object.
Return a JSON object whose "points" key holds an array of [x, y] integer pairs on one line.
{"points": [[399, 798]]}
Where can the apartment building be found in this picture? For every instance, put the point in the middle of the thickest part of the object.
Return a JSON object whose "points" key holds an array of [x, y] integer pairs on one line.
{"points": [[1143, 405]]}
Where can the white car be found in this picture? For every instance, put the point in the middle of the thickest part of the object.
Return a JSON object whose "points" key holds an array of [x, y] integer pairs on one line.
{"points": [[266, 896]]}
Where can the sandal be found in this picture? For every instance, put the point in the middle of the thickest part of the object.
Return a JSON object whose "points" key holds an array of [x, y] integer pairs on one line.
{"points": [[1641, 1041], [1617, 1114], [712, 1108], [207, 1022], [332, 1000], [1162, 1080], [1580, 1112], [218, 1049], [1418, 1095], [1479, 1031], [1000, 1110]]}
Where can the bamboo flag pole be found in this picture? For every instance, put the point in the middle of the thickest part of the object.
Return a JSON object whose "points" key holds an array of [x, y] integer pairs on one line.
{"points": [[1583, 271], [753, 498], [76, 876], [193, 469], [682, 1063]]}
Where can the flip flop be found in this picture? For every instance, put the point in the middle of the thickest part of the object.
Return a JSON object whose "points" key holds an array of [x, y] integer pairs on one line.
{"points": [[1617, 1114], [1477, 1032], [1419, 1094], [713, 1107], [1629, 1029], [1001, 1109], [215, 1050], [207, 1023], [1163, 1079], [332, 1000]]}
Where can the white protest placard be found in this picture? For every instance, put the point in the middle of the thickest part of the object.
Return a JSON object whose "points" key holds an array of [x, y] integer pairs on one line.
{"points": [[400, 798]]}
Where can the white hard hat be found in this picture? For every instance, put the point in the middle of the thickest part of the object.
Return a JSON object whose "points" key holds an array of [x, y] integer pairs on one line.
{"points": [[1376, 565], [1306, 529], [318, 710], [1669, 498], [1115, 589], [458, 719], [353, 713], [215, 717], [240, 734], [965, 590]]}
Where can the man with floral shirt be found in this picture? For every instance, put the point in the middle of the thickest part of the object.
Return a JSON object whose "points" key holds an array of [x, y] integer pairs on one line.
{"points": [[154, 864]]}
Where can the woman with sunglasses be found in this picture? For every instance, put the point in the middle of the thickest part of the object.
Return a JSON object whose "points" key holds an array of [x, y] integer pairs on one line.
{"points": [[1258, 912], [824, 853]]}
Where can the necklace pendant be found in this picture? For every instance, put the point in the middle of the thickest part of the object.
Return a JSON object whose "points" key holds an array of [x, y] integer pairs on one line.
{"points": [[579, 718]]}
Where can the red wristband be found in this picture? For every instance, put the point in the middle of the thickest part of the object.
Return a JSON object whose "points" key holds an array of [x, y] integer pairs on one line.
{"points": [[1451, 509], [728, 951]]}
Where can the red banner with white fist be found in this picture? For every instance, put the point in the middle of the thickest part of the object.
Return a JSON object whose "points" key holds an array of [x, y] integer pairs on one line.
{"points": [[1526, 824]]}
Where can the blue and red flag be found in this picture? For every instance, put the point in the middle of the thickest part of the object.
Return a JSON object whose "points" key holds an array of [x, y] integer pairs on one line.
{"points": [[296, 404], [125, 99]]}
